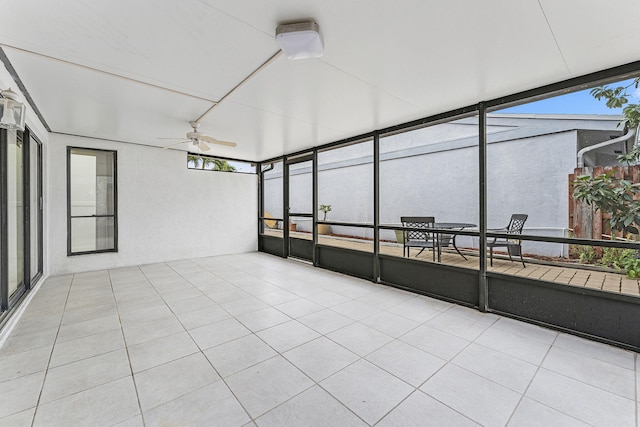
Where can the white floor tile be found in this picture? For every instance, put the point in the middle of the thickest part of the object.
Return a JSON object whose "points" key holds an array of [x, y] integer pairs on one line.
{"points": [[82, 348], [421, 410], [584, 402], [591, 371], [191, 304], [596, 350], [244, 306], [287, 335], [356, 310], [268, 384], [25, 363], [131, 422], [390, 324], [136, 333], [484, 401], [143, 313], [313, 408], [461, 326], [19, 343], [21, 419], [534, 332], [173, 379], [320, 358], [415, 310], [20, 394], [498, 367], [237, 355], [358, 387], [103, 405], [328, 299], [263, 319], [470, 366], [218, 333], [160, 350], [207, 406], [85, 374], [406, 362], [77, 330], [202, 317], [360, 338], [514, 344], [298, 308], [534, 414], [325, 321], [441, 344]]}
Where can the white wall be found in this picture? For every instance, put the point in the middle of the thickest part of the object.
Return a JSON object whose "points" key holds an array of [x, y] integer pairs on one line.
{"points": [[165, 211]]}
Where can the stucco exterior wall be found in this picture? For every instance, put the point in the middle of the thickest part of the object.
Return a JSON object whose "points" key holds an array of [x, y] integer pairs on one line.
{"points": [[165, 211], [526, 175]]}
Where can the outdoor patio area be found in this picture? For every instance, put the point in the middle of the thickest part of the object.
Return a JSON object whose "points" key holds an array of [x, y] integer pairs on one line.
{"points": [[254, 339], [570, 274]]}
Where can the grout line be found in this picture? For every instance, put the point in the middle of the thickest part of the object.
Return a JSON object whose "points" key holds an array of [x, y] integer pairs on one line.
{"points": [[44, 379], [126, 348], [524, 393]]}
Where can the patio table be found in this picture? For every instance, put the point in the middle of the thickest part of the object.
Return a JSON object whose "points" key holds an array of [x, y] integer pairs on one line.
{"points": [[452, 226]]}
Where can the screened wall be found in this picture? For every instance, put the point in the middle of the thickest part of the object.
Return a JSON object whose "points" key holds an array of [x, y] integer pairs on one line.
{"points": [[484, 206]]}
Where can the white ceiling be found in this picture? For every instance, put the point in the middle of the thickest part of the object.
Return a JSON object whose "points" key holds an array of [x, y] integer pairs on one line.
{"points": [[138, 70]]}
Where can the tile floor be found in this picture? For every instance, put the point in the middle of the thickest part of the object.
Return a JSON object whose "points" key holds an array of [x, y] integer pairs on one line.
{"points": [[252, 339]]}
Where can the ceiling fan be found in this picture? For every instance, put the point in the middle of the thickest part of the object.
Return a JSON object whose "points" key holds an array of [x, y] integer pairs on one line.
{"points": [[200, 140]]}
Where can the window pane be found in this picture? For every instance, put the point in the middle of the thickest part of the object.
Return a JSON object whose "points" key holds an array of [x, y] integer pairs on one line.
{"points": [[92, 193], [272, 189], [431, 172], [92, 234], [92, 189], [538, 155], [208, 163], [345, 183], [301, 188]]}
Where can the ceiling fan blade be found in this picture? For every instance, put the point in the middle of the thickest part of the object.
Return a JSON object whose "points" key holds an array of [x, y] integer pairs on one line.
{"points": [[217, 141], [203, 146], [179, 137], [174, 145]]}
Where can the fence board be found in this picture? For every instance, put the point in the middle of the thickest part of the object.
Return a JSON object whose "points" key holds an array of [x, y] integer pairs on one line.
{"points": [[585, 221]]}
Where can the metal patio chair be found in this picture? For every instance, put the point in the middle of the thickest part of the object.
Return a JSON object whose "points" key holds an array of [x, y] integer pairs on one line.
{"points": [[418, 238], [513, 245]]}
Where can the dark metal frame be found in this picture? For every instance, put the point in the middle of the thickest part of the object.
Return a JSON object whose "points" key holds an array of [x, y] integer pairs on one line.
{"points": [[478, 287], [4, 220], [8, 302], [115, 202]]}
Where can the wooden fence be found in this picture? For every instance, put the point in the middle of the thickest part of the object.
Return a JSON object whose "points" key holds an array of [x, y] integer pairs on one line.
{"points": [[585, 221]]}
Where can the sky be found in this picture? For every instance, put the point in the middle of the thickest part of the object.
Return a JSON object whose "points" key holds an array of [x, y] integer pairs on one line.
{"points": [[574, 103]]}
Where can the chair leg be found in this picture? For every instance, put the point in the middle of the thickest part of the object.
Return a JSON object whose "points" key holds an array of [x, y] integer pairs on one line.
{"points": [[521, 259], [420, 252], [509, 252], [491, 255]]}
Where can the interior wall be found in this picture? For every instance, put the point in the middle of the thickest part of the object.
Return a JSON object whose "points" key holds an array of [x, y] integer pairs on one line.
{"points": [[165, 211]]}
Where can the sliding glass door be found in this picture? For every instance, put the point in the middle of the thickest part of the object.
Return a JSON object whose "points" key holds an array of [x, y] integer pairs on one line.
{"points": [[21, 256]]}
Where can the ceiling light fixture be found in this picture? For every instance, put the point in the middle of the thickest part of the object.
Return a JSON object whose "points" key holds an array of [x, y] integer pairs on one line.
{"points": [[301, 40], [12, 112]]}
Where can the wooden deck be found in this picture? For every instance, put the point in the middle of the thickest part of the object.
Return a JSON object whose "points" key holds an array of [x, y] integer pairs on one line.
{"points": [[569, 274]]}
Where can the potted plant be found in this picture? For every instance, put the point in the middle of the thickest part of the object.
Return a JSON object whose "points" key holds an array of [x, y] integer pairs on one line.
{"points": [[324, 228]]}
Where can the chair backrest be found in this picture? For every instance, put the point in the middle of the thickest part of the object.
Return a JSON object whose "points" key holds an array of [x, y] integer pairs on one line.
{"points": [[516, 223], [425, 222]]}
